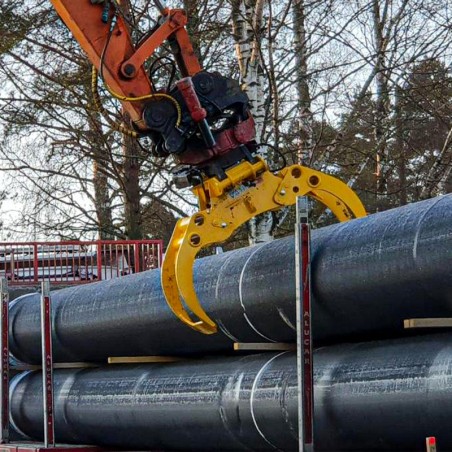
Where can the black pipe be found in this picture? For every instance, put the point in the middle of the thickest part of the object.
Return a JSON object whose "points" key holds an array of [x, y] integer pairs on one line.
{"points": [[381, 396], [368, 276]]}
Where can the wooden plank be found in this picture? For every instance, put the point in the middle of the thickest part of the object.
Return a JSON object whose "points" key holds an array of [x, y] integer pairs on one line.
{"points": [[445, 322], [74, 365], [24, 367], [143, 359], [264, 346]]}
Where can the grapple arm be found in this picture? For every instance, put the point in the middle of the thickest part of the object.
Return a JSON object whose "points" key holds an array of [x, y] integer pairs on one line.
{"points": [[249, 190]]}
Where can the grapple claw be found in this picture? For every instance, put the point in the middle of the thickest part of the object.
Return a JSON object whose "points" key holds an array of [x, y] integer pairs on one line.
{"points": [[228, 210], [174, 265]]}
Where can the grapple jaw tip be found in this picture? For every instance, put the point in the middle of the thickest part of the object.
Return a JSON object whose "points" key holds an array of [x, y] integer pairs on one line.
{"points": [[177, 282]]}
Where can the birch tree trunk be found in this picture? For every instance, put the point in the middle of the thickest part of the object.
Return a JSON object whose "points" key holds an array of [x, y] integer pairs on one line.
{"points": [[306, 144], [247, 23], [381, 101]]}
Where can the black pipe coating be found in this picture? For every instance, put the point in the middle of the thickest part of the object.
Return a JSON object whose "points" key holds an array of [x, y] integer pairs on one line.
{"points": [[381, 396], [368, 276]]}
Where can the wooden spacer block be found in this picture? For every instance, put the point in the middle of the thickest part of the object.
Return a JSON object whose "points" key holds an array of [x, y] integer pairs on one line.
{"points": [[75, 365], [445, 322], [143, 359], [264, 346]]}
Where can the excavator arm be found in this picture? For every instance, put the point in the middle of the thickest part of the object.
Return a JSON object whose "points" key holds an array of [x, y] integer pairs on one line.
{"points": [[204, 122], [102, 29]]}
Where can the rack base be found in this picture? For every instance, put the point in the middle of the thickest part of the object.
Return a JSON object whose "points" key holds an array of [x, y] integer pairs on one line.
{"points": [[39, 447]]}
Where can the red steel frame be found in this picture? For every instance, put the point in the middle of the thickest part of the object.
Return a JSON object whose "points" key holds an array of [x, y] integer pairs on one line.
{"points": [[35, 447], [4, 362], [47, 365], [430, 443], [47, 371], [304, 328], [138, 250]]}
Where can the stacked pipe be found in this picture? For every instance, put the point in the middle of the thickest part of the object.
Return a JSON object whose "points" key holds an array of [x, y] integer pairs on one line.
{"points": [[368, 276]]}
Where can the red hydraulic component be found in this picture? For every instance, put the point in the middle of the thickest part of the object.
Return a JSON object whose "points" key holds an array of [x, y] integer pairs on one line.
{"points": [[197, 113], [188, 92], [229, 139]]}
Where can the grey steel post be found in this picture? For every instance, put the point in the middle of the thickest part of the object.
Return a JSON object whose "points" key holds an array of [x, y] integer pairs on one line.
{"points": [[304, 331], [47, 365], [4, 362]]}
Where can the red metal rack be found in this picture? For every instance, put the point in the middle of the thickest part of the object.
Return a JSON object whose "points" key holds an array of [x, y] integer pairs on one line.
{"points": [[4, 362], [304, 330], [47, 365], [33, 447], [76, 262], [47, 374]]}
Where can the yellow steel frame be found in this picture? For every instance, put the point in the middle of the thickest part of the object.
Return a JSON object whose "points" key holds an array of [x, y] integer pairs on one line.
{"points": [[248, 190]]}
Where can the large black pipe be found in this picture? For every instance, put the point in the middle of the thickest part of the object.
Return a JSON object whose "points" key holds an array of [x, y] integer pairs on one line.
{"points": [[381, 396], [368, 276]]}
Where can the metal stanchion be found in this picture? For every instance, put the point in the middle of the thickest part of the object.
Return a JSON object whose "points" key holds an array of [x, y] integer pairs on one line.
{"points": [[47, 365], [4, 362], [430, 443], [304, 332]]}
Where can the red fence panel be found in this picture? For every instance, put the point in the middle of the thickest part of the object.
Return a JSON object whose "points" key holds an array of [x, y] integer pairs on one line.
{"points": [[76, 262]]}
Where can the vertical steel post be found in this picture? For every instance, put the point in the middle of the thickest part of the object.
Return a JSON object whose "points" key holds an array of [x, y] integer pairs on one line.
{"points": [[47, 365], [304, 331], [99, 260], [4, 362], [160, 251], [136, 257], [35, 263], [13, 264], [430, 443]]}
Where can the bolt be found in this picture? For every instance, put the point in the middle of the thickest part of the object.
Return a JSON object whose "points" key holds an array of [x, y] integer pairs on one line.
{"points": [[224, 225], [129, 70], [205, 84], [282, 192], [156, 116]]}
